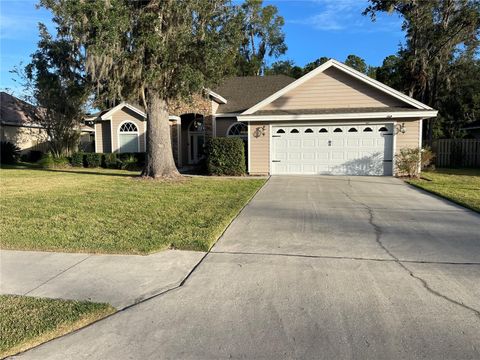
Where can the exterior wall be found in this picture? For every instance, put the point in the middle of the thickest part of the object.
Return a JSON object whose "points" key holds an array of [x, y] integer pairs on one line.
{"points": [[122, 115], [103, 140], [412, 135], [26, 138], [333, 89], [259, 148], [222, 125]]}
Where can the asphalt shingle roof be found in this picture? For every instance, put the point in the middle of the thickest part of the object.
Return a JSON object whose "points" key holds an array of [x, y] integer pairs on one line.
{"points": [[242, 92]]}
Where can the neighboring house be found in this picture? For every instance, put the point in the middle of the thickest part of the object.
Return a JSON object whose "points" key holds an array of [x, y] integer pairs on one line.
{"points": [[333, 120], [16, 127]]}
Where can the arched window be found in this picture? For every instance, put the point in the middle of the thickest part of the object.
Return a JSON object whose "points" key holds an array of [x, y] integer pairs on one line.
{"points": [[367, 129], [128, 140], [352, 130], [309, 131], [383, 129], [294, 131], [280, 131], [323, 130], [239, 129], [338, 130]]}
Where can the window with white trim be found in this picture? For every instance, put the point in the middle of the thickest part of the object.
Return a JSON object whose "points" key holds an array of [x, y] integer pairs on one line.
{"points": [[128, 140], [239, 129]]}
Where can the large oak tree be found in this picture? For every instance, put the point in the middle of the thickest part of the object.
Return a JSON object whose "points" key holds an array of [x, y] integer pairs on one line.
{"points": [[153, 51]]}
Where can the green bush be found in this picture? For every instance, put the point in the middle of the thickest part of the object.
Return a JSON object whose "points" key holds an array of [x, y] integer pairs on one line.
{"points": [[225, 156], [110, 161], [93, 160], [10, 153], [77, 159], [48, 161], [410, 160], [129, 163], [139, 158]]}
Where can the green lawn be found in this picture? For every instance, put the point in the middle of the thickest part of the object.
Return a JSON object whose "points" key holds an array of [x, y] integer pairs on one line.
{"points": [[113, 211], [27, 321], [458, 185]]}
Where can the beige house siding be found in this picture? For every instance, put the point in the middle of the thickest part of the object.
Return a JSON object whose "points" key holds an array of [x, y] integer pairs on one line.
{"points": [[26, 138], [411, 138], [333, 89], [223, 124], [119, 117], [259, 147], [103, 137]]}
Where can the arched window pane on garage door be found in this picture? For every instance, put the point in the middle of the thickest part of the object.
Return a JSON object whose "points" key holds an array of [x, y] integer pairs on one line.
{"points": [[128, 137]]}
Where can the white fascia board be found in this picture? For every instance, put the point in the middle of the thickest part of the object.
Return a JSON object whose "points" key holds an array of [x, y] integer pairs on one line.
{"points": [[344, 116], [227, 114], [174, 117], [218, 98], [108, 114], [346, 69]]}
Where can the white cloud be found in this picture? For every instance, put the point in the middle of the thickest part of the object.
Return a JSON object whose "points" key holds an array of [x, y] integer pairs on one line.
{"points": [[346, 15]]}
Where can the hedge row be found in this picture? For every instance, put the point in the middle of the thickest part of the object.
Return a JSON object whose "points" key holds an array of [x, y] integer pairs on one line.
{"points": [[225, 156], [125, 161]]}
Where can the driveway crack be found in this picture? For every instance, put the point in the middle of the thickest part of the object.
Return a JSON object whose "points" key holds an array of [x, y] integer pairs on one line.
{"points": [[378, 238]]}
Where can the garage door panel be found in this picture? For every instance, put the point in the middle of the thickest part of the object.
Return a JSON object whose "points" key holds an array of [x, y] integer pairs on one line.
{"points": [[308, 143], [340, 153]]}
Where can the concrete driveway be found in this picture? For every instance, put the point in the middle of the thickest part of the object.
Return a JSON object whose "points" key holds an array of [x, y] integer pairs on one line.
{"points": [[314, 267]]}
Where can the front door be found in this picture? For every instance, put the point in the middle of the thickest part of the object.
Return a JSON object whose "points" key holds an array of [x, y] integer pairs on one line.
{"points": [[196, 148]]}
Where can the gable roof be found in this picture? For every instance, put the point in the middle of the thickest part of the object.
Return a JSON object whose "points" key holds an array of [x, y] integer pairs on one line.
{"points": [[346, 69], [243, 92], [108, 114]]}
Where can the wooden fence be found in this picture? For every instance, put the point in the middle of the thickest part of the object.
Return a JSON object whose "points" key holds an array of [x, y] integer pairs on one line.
{"points": [[456, 152]]}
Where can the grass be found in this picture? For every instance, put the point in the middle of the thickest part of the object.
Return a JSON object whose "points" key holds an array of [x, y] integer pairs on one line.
{"points": [[113, 211], [27, 321], [461, 186]]}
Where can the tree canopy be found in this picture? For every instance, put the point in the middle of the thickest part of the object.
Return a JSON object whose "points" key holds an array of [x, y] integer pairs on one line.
{"points": [[262, 37], [56, 84], [438, 33], [154, 52]]}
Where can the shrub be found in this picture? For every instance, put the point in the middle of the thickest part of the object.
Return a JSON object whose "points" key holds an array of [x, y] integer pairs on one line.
{"points": [[77, 159], [10, 153], [93, 160], [48, 161], [110, 161], [225, 156], [139, 158], [129, 163], [427, 157], [410, 160]]}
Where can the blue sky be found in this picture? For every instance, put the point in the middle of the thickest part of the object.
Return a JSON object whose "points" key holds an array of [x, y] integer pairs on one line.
{"points": [[313, 28]]}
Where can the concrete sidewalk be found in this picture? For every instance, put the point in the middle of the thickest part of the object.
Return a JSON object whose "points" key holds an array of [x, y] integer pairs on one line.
{"points": [[120, 280]]}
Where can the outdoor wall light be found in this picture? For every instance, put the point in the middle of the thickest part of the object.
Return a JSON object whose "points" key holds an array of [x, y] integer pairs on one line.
{"points": [[401, 128], [259, 131]]}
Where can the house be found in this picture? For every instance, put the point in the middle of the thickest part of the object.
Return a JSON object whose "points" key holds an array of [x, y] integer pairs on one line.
{"points": [[333, 120], [18, 128]]}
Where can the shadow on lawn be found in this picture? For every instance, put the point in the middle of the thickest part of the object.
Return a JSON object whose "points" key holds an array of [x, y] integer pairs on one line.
{"points": [[92, 171]]}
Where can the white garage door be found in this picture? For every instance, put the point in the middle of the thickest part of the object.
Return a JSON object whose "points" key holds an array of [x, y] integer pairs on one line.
{"points": [[332, 149]]}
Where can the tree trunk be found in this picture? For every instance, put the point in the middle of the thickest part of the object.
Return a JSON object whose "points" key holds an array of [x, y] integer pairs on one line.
{"points": [[159, 162]]}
